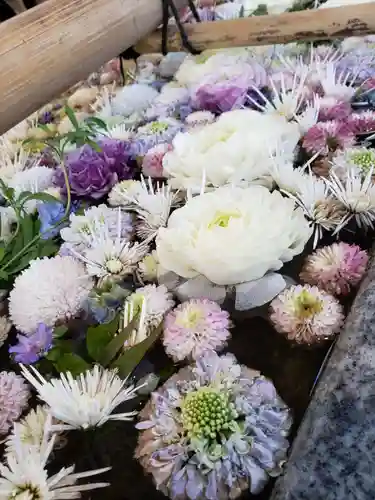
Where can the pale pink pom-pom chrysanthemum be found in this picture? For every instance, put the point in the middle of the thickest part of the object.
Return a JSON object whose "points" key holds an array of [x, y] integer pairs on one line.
{"points": [[326, 137], [306, 315], [362, 123], [194, 327], [152, 165], [335, 268], [14, 394]]}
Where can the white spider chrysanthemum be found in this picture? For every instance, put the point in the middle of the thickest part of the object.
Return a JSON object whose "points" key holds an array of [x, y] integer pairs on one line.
{"points": [[30, 430], [123, 192], [121, 132], [85, 401], [324, 212], [95, 221], [309, 116], [286, 101], [134, 98], [336, 84], [152, 205], [288, 178], [357, 195], [24, 476], [12, 163], [111, 258], [34, 179], [49, 290]]}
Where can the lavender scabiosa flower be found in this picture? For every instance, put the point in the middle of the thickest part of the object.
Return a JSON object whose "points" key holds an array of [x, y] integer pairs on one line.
{"points": [[326, 137], [31, 348], [213, 430], [335, 268], [156, 132], [14, 395], [306, 315], [194, 327]]}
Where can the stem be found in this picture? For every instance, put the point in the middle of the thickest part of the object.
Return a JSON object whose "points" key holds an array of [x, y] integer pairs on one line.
{"points": [[67, 186]]}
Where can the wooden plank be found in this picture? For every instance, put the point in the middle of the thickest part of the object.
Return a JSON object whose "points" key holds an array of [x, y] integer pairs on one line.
{"points": [[51, 47], [321, 24]]}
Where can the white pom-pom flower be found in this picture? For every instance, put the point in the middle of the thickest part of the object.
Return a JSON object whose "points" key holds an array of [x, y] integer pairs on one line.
{"points": [[50, 290], [133, 99]]}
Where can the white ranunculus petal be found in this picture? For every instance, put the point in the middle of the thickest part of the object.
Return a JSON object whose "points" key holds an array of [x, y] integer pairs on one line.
{"points": [[259, 292], [200, 288]]}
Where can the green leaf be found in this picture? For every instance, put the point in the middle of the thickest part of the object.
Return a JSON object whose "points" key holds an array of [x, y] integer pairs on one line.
{"points": [[20, 265], [27, 229], [131, 358], [98, 337], [59, 331], [117, 343], [72, 117], [71, 362], [96, 121], [47, 248], [2, 253], [48, 198], [4, 276]]}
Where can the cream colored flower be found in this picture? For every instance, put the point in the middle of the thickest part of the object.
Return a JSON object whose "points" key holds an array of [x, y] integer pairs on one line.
{"points": [[232, 235]]}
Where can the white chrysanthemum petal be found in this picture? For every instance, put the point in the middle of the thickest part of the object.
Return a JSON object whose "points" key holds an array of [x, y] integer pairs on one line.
{"points": [[133, 99], [62, 287]]}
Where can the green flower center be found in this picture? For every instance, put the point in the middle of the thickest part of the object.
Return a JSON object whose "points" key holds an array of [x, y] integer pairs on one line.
{"points": [[222, 219], [114, 266], [158, 127], [33, 492], [307, 305], [365, 160], [207, 412], [190, 317]]}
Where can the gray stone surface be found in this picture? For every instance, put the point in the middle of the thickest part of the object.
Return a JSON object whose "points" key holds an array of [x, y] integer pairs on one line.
{"points": [[333, 455]]}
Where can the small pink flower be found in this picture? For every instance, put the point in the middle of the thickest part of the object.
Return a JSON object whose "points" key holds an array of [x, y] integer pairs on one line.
{"points": [[194, 327], [362, 123], [14, 394], [332, 109], [306, 315], [326, 137], [152, 165], [336, 268]]}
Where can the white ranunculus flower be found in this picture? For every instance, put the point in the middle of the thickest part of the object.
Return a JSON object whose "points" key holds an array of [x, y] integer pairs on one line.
{"points": [[235, 148], [232, 235]]}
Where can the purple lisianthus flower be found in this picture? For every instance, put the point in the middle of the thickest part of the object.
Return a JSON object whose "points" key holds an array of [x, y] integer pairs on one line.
{"points": [[46, 117], [93, 173], [31, 348]]}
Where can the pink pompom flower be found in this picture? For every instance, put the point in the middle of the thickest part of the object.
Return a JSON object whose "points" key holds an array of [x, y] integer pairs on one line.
{"points": [[152, 165], [326, 137], [306, 315], [194, 327], [362, 123], [331, 108], [14, 395], [335, 268]]}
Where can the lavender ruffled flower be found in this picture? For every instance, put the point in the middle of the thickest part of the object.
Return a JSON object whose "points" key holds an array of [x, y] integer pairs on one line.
{"points": [[213, 430], [31, 348], [93, 173]]}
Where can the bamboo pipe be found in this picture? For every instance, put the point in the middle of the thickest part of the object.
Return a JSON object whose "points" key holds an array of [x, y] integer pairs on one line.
{"points": [[49, 48], [321, 24]]}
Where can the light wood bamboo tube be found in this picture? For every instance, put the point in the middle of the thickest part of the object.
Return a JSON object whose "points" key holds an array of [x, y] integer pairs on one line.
{"points": [[51, 47], [321, 24]]}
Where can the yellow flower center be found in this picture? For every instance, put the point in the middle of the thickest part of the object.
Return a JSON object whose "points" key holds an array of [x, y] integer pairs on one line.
{"points": [[222, 219], [190, 317], [307, 305]]}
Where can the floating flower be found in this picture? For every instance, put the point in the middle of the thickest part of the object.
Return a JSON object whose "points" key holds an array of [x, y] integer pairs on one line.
{"points": [[31, 348], [62, 288], [194, 327], [213, 430], [233, 149], [266, 227], [14, 395], [152, 163], [335, 268], [156, 132], [359, 160], [96, 221], [325, 137], [29, 431], [362, 123], [83, 402], [133, 99], [24, 476], [306, 315]]}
